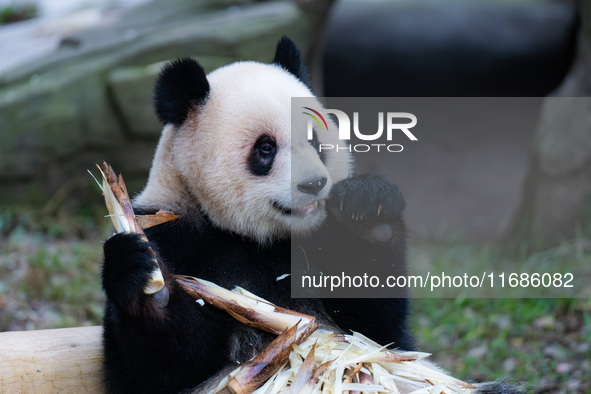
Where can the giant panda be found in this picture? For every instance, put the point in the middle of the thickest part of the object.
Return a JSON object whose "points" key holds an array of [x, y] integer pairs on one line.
{"points": [[223, 164]]}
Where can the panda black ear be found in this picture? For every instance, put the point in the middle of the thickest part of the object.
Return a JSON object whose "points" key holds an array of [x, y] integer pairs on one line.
{"points": [[181, 86], [288, 56]]}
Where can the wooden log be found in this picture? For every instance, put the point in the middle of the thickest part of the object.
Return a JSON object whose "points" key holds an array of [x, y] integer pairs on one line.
{"points": [[66, 360]]}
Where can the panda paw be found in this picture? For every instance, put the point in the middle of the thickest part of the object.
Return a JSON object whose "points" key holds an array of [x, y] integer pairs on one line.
{"points": [[127, 268], [370, 206]]}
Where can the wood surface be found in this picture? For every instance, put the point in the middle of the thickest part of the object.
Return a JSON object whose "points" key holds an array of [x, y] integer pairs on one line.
{"points": [[66, 360]]}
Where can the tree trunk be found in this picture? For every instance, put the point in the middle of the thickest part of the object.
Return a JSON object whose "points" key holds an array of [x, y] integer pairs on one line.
{"points": [[66, 360], [558, 181]]}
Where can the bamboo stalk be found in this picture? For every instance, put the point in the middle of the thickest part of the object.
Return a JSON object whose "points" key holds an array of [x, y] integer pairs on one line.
{"points": [[121, 212], [252, 311]]}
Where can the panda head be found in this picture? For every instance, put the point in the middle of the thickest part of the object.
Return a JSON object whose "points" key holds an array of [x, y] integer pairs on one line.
{"points": [[227, 152]]}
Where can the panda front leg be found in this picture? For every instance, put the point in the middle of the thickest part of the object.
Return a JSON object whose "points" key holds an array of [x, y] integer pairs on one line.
{"points": [[368, 232], [127, 269], [151, 345]]}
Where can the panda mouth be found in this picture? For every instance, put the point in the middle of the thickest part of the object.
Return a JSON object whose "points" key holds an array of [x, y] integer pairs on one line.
{"points": [[301, 211]]}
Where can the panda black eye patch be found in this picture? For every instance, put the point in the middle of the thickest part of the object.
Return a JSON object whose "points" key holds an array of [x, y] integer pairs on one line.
{"points": [[262, 155]]}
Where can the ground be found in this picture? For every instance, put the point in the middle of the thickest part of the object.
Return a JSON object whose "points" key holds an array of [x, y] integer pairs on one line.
{"points": [[49, 270]]}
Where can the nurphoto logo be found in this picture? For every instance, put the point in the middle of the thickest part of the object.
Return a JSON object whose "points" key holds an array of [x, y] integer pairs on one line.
{"points": [[394, 125]]}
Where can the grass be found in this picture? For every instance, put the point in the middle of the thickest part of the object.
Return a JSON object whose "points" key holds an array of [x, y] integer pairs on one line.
{"points": [[49, 282], [543, 342], [49, 268], [17, 12], [50, 277]]}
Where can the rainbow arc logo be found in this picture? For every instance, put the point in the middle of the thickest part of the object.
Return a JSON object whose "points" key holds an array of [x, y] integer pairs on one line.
{"points": [[318, 115]]}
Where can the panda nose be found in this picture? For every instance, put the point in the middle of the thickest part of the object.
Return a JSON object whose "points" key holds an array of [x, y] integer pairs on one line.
{"points": [[313, 186]]}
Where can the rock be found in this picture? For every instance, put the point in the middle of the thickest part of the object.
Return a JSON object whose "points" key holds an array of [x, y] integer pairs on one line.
{"points": [[49, 120], [555, 351], [131, 94], [545, 322], [426, 48], [91, 100]]}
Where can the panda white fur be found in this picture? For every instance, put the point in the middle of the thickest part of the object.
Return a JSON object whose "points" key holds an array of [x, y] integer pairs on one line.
{"points": [[201, 164], [224, 164]]}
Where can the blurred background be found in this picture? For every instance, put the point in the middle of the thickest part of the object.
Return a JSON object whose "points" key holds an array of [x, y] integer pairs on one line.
{"points": [[75, 89]]}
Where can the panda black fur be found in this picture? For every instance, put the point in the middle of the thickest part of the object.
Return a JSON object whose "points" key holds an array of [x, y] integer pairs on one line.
{"points": [[223, 165]]}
